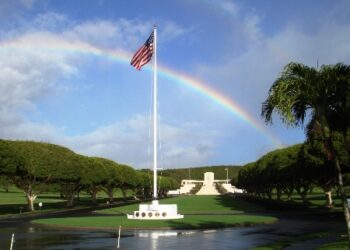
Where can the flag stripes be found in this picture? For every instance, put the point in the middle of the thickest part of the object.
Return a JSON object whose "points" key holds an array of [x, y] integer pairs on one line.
{"points": [[144, 54]]}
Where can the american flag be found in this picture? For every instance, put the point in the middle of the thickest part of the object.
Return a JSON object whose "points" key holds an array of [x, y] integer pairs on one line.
{"points": [[144, 54]]}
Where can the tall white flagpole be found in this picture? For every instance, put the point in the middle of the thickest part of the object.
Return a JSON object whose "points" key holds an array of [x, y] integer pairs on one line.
{"points": [[155, 210], [155, 114]]}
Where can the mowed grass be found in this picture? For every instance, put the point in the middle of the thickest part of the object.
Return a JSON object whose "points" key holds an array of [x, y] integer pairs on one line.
{"points": [[316, 199], [189, 222], [18, 197], [203, 212], [205, 204], [339, 245], [14, 201]]}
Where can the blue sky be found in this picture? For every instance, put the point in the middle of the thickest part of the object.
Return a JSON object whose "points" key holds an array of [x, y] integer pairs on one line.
{"points": [[101, 107]]}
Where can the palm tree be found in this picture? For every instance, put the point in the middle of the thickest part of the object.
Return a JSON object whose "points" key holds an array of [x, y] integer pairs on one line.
{"points": [[324, 94]]}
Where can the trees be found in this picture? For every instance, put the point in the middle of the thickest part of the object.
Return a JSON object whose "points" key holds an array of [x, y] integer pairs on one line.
{"points": [[67, 172], [32, 165], [165, 184], [118, 176], [325, 94], [275, 171], [113, 177], [94, 176], [5, 183], [145, 183], [315, 158], [128, 179], [33, 169], [8, 164]]}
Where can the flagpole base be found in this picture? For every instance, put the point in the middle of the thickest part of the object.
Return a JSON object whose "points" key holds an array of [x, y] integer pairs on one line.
{"points": [[156, 211]]}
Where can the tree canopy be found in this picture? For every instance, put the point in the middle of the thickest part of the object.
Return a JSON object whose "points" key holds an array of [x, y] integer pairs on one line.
{"points": [[323, 93]]}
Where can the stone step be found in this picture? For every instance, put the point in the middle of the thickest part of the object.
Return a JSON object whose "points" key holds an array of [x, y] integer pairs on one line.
{"points": [[208, 190]]}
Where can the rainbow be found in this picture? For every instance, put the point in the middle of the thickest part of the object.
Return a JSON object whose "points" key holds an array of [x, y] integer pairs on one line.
{"points": [[54, 44]]}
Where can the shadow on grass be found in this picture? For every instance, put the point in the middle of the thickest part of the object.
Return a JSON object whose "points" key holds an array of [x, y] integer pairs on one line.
{"points": [[234, 202], [292, 206], [52, 203]]}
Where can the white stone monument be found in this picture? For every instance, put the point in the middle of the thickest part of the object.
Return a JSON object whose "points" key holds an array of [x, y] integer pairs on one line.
{"points": [[156, 211], [208, 186]]}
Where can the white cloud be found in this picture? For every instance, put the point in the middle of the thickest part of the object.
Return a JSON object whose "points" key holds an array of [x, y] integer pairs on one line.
{"points": [[27, 3], [126, 141], [251, 29], [251, 73], [50, 21], [29, 74], [107, 33], [171, 30], [129, 142], [122, 33], [226, 6]]}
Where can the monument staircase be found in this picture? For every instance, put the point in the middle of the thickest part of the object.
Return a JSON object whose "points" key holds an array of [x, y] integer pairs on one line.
{"points": [[208, 190], [219, 187], [196, 188], [209, 186]]}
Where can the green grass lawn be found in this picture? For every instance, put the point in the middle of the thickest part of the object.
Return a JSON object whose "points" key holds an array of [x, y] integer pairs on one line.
{"points": [[291, 240], [205, 204], [16, 196], [212, 212], [339, 245], [14, 201], [316, 199], [189, 222]]}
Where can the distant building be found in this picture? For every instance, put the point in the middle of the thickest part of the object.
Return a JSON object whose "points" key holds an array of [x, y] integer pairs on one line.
{"points": [[208, 186]]}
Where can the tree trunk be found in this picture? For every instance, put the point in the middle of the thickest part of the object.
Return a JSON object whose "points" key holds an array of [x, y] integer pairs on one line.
{"points": [[333, 155], [30, 201], [302, 191], [329, 200], [70, 201], [124, 194], [343, 196], [94, 196], [269, 194], [30, 197], [110, 194], [289, 193], [69, 192], [279, 194], [303, 197]]}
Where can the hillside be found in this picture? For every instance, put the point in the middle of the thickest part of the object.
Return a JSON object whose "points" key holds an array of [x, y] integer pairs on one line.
{"points": [[197, 173]]}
